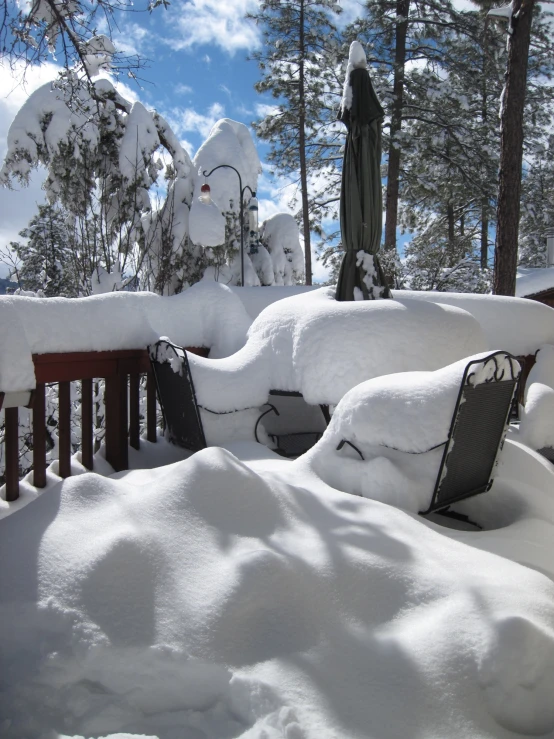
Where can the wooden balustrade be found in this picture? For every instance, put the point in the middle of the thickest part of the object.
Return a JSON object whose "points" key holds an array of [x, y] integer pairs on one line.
{"points": [[121, 371]]}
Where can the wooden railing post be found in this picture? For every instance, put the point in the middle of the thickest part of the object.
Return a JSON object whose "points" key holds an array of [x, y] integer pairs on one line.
{"points": [[116, 422], [87, 424], [39, 436], [64, 428], [11, 441], [134, 410]]}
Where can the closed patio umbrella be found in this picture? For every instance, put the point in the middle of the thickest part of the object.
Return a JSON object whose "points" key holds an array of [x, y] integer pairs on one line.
{"points": [[361, 205]]}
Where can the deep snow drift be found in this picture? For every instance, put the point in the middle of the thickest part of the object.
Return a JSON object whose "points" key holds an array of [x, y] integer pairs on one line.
{"points": [[236, 594], [216, 598]]}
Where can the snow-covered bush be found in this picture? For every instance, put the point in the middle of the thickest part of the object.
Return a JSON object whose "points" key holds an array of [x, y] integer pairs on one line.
{"points": [[103, 156]]}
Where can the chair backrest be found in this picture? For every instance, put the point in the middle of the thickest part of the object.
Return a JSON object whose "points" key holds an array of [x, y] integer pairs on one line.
{"points": [[176, 395], [477, 430]]}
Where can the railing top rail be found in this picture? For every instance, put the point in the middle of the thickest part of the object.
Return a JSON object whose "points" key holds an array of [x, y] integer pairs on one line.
{"points": [[69, 366]]}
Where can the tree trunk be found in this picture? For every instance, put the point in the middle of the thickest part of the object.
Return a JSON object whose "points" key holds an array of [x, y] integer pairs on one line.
{"points": [[511, 150], [484, 233], [484, 120], [393, 172], [302, 153]]}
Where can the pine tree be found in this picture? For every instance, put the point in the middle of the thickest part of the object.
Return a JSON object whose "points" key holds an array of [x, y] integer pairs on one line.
{"points": [[399, 33], [297, 68], [450, 147], [511, 148], [537, 212], [45, 260]]}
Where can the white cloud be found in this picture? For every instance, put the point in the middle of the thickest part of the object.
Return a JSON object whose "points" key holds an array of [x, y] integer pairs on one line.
{"points": [[182, 89], [212, 22], [262, 109], [184, 120], [132, 38], [351, 9]]}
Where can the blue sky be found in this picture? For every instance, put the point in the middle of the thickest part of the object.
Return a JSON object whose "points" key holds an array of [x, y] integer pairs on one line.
{"points": [[197, 73]]}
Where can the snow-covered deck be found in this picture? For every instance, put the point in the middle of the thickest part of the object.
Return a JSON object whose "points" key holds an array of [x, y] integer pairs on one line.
{"points": [[232, 593]]}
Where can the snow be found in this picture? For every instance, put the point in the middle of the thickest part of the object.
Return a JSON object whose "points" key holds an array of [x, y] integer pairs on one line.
{"points": [[356, 60], [516, 325], [206, 222], [208, 314], [506, 11], [532, 280], [537, 415], [312, 344], [280, 233], [233, 594], [230, 143], [224, 598], [255, 299]]}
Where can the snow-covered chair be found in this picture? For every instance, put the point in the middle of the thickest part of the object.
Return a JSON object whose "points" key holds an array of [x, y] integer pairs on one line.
{"points": [[177, 396], [477, 430], [421, 440]]}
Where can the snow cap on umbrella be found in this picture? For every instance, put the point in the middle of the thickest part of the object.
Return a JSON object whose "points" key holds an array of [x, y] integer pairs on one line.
{"points": [[359, 100], [356, 60]]}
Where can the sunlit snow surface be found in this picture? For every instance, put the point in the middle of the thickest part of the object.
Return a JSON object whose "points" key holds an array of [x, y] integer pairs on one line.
{"points": [[236, 594], [224, 598]]}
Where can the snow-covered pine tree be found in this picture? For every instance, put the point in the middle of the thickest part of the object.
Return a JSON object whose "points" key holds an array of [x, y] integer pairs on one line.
{"points": [[400, 35], [298, 64], [537, 212], [44, 263], [450, 146], [33, 31]]}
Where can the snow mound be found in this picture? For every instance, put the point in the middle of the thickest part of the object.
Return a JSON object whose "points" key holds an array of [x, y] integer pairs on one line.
{"points": [[208, 314], [517, 674], [206, 223], [213, 601], [356, 60], [280, 233], [537, 415], [323, 348], [516, 325]]}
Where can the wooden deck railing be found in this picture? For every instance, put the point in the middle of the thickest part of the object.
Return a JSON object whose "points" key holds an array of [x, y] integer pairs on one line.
{"points": [[121, 371]]}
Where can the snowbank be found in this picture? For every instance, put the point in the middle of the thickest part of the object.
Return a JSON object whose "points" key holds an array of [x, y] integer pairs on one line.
{"points": [[210, 600], [207, 314], [516, 325], [537, 415], [322, 348]]}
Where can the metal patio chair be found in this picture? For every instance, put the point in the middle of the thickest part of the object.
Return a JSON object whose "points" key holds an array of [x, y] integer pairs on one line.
{"points": [[177, 396], [477, 431]]}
